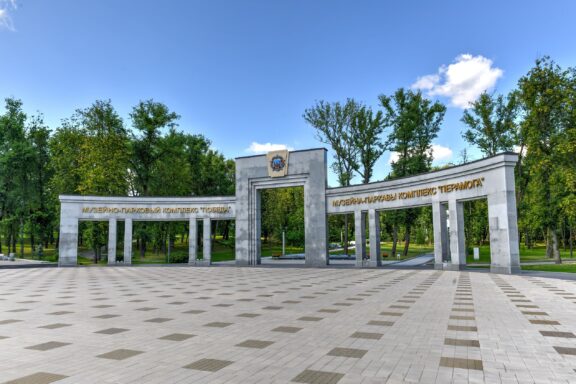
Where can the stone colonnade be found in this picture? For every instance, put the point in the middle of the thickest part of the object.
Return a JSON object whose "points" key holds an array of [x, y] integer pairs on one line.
{"points": [[192, 241], [446, 191], [132, 209]]}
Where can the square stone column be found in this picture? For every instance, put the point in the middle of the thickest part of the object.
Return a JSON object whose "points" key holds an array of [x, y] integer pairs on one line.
{"points": [[192, 241], [68, 241], [360, 236], [439, 218], [112, 233], [127, 241], [207, 231], [374, 223], [502, 221], [457, 243]]}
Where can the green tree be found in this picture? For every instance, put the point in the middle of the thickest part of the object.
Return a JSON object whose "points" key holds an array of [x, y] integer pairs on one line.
{"points": [[16, 155], [103, 163], [545, 93], [491, 123], [366, 131], [42, 213], [333, 125], [148, 119], [415, 122]]}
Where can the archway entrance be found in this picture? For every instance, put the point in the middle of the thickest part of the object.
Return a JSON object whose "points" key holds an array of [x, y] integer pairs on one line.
{"points": [[282, 225], [306, 169]]}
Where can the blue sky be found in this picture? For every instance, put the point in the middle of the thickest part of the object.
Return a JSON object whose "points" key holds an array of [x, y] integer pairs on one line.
{"points": [[242, 72]]}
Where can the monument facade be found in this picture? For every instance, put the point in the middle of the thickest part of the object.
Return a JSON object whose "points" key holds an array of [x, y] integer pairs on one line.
{"points": [[445, 191]]}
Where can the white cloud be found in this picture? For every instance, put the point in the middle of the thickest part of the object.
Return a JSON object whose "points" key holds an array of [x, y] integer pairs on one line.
{"points": [[520, 150], [439, 153], [266, 147], [393, 157], [462, 81], [6, 8]]}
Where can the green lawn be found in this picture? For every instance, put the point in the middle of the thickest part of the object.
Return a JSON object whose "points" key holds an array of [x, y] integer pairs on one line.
{"points": [[535, 254], [551, 267], [223, 250]]}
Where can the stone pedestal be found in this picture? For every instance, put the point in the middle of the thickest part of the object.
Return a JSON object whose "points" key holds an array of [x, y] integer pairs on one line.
{"points": [[374, 223], [128, 241], [360, 237]]}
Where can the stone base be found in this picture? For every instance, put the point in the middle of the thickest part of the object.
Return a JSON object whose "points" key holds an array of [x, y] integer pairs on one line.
{"points": [[453, 267], [504, 270], [203, 263], [245, 263], [374, 263], [68, 262]]}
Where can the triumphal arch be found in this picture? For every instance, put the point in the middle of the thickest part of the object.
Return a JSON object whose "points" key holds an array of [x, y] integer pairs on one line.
{"points": [[445, 190]]}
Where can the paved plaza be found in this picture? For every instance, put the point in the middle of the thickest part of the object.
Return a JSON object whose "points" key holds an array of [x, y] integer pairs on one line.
{"points": [[284, 325]]}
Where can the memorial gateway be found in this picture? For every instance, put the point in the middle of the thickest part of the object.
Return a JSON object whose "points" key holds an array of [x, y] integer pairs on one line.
{"points": [[445, 190]]}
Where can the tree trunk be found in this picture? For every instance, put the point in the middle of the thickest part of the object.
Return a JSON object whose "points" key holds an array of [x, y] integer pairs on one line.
{"points": [[555, 248], [394, 240], [22, 237], [345, 235], [142, 248], [215, 230], [407, 240], [548, 243], [14, 240], [570, 240]]}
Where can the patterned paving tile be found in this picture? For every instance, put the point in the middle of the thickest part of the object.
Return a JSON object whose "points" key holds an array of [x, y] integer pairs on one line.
{"points": [[566, 351], [9, 321], [463, 328], [452, 362], [177, 337], [566, 335], [317, 377], [218, 324], [48, 346], [310, 318], [348, 352], [111, 331], [210, 365], [249, 315], [367, 335], [159, 320], [55, 326], [260, 344], [120, 354], [381, 323], [194, 311], [286, 329], [462, 342], [38, 378], [106, 316]]}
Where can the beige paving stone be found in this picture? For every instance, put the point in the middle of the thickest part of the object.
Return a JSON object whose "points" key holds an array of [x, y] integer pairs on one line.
{"points": [[210, 365], [259, 344], [318, 377], [177, 337], [38, 378], [119, 354], [48, 346], [409, 347]]}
